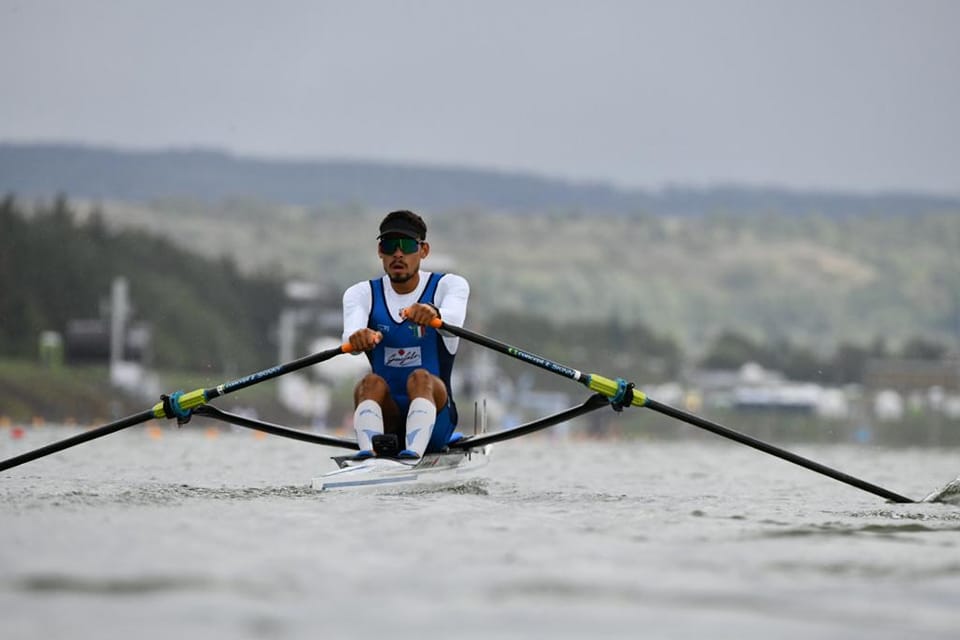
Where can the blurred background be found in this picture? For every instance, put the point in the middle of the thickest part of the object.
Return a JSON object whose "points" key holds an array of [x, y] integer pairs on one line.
{"points": [[750, 209]]}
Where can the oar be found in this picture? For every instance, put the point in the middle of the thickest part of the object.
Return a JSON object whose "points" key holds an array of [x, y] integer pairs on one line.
{"points": [[177, 405], [622, 394]]}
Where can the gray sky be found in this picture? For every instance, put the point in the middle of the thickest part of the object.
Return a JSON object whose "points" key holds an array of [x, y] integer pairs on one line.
{"points": [[861, 95]]}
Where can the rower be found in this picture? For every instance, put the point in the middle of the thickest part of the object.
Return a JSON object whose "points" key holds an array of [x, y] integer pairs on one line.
{"points": [[407, 395]]}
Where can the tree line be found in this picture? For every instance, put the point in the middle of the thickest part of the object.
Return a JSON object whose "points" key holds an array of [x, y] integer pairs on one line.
{"points": [[635, 350], [845, 365], [204, 314]]}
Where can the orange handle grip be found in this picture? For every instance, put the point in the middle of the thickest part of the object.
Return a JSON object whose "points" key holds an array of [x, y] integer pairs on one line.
{"points": [[436, 323], [346, 347]]}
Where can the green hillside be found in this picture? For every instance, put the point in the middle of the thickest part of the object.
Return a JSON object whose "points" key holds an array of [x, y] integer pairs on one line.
{"points": [[815, 280]]}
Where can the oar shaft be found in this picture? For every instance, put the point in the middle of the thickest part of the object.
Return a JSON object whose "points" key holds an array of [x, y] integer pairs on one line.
{"points": [[273, 372], [80, 438], [513, 352], [783, 454], [606, 386], [199, 397]]}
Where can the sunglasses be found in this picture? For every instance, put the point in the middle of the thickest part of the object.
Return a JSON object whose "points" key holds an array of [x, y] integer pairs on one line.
{"points": [[407, 245]]}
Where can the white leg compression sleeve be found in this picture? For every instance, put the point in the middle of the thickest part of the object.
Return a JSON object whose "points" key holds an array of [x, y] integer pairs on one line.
{"points": [[368, 422], [420, 419]]}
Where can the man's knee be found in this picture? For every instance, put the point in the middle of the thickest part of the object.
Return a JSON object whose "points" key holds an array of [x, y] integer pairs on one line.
{"points": [[419, 381], [423, 384], [371, 387]]}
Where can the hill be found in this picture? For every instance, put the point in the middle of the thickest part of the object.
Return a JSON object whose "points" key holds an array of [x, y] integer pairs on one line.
{"points": [[812, 279], [31, 170], [814, 268]]}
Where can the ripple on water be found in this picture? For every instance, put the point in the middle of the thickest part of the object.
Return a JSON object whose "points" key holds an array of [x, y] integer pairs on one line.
{"points": [[892, 530], [175, 494], [146, 584], [135, 585], [869, 570]]}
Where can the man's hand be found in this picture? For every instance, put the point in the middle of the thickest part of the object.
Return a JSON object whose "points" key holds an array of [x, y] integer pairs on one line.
{"points": [[365, 339], [421, 313]]}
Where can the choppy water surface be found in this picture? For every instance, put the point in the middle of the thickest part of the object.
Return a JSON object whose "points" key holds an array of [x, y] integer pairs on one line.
{"points": [[191, 536]]}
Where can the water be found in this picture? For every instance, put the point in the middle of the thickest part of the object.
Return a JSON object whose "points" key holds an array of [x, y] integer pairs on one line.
{"points": [[188, 535]]}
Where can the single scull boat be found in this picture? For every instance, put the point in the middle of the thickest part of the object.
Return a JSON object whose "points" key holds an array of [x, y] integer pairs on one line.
{"points": [[433, 471]]}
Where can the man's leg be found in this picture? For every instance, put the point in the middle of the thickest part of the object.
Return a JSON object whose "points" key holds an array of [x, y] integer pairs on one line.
{"points": [[427, 392], [375, 412]]}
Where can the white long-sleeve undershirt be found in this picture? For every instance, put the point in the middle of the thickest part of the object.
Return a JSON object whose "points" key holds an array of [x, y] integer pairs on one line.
{"points": [[451, 298]]}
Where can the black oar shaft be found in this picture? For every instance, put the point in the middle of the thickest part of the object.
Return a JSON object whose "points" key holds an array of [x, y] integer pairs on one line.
{"points": [[783, 454], [513, 352], [274, 372], [80, 438]]}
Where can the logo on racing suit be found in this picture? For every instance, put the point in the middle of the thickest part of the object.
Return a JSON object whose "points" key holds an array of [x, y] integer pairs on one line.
{"points": [[404, 357]]}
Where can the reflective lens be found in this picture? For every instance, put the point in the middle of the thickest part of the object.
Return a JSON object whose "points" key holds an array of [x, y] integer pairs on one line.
{"points": [[407, 245]]}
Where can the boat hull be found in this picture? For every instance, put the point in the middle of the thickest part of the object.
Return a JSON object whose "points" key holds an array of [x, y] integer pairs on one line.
{"points": [[434, 470]]}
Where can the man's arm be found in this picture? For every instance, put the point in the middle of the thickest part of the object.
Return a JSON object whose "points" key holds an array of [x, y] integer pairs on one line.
{"points": [[357, 303], [453, 292]]}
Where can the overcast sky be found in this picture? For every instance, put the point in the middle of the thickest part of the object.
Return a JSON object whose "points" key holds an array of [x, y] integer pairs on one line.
{"points": [[861, 95]]}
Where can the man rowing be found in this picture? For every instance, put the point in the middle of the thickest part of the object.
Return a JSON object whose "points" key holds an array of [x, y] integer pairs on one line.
{"points": [[408, 393]]}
